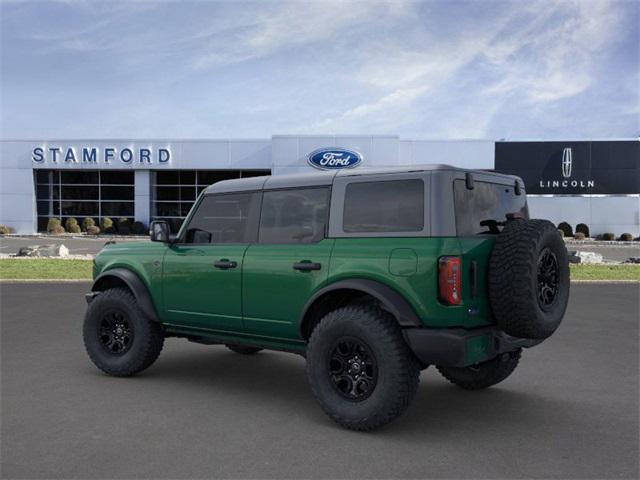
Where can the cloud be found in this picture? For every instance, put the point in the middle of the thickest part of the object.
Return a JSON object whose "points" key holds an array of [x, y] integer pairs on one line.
{"points": [[287, 25], [553, 57], [422, 69]]}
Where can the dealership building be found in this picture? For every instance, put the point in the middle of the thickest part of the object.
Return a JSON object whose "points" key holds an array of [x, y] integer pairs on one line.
{"points": [[596, 182]]}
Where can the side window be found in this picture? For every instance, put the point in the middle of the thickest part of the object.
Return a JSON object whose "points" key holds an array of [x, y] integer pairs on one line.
{"points": [[384, 206], [225, 218], [294, 216]]}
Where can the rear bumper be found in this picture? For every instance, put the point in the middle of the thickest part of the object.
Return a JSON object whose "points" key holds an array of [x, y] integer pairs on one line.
{"points": [[457, 347]]}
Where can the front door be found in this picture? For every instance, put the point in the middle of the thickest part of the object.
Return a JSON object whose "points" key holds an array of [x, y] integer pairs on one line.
{"points": [[202, 271], [289, 262]]}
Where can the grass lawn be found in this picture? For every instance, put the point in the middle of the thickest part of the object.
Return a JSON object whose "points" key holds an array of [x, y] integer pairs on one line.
{"points": [[45, 269], [605, 272], [81, 269]]}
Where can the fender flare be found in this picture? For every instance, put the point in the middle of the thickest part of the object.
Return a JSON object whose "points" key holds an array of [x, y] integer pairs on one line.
{"points": [[135, 284], [391, 300]]}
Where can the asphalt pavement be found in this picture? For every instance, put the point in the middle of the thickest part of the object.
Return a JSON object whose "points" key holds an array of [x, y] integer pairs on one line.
{"points": [[570, 410]]}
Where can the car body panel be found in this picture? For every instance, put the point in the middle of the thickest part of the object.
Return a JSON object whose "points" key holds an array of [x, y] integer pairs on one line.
{"points": [[198, 294], [273, 292]]}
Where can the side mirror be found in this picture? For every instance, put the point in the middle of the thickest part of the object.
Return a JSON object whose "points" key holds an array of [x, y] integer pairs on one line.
{"points": [[159, 231]]}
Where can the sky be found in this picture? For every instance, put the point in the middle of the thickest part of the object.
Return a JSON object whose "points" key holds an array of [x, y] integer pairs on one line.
{"points": [[420, 70]]}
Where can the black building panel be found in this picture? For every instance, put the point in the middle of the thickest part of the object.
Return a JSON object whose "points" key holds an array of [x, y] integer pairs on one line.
{"points": [[583, 167]]}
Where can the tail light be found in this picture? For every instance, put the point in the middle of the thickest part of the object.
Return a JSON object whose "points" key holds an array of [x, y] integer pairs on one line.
{"points": [[449, 289]]}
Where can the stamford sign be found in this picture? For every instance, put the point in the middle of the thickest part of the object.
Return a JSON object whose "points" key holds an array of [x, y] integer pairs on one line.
{"points": [[95, 155], [334, 158]]}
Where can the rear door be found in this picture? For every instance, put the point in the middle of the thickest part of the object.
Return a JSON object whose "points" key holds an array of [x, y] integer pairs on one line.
{"points": [[202, 272], [290, 260]]}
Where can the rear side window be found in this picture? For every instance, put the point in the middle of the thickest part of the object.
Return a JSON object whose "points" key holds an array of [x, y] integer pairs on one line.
{"points": [[385, 206], [487, 203], [294, 216], [228, 218]]}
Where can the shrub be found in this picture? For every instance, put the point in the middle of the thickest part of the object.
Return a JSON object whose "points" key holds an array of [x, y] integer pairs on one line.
{"points": [[4, 230], [608, 236], [561, 233], [626, 237], [579, 236], [583, 228], [71, 225], [107, 225], [93, 230], [138, 228], [124, 226], [57, 230], [53, 224], [88, 222], [566, 228]]}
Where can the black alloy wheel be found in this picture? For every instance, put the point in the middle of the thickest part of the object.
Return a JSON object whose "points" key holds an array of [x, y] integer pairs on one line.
{"points": [[547, 278], [116, 332], [353, 369]]}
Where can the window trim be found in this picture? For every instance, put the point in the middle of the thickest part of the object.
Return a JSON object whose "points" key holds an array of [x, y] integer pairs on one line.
{"points": [[325, 233]]}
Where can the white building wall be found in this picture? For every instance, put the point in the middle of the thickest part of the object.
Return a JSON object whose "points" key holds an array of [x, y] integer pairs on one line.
{"points": [[17, 188], [459, 153], [616, 214]]}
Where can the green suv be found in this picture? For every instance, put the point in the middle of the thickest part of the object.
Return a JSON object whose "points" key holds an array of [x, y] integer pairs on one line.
{"points": [[372, 275]]}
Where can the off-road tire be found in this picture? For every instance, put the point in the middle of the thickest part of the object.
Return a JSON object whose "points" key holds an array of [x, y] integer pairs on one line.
{"points": [[515, 278], [397, 369], [148, 336], [242, 349], [484, 374]]}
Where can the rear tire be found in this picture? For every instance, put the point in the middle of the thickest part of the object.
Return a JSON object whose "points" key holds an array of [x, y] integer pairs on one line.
{"points": [[243, 349], [119, 338], [483, 375], [360, 369]]}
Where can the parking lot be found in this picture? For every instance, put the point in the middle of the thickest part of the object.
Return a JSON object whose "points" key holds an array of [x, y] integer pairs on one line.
{"points": [[569, 411]]}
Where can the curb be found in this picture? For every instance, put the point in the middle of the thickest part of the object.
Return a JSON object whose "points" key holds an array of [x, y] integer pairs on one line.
{"points": [[45, 280]]}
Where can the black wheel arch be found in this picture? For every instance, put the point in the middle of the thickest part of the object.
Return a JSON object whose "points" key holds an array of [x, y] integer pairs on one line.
{"points": [[389, 299], [118, 277]]}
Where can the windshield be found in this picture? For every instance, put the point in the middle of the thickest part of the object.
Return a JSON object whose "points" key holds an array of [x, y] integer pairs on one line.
{"points": [[485, 208]]}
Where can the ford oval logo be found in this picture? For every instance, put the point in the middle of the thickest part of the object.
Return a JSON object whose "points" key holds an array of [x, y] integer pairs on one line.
{"points": [[334, 158]]}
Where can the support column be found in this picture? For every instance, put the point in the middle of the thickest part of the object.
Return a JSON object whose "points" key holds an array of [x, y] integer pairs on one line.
{"points": [[142, 191]]}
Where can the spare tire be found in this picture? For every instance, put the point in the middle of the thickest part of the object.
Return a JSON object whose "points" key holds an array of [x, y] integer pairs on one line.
{"points": [[529, 279]]}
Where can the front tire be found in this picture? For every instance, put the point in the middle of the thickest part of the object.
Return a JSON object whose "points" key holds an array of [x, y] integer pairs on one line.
{"points": [[119, 338], [483, 375], [360, 369]]}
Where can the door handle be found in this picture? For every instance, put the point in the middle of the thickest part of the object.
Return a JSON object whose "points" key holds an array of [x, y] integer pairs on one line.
{"points": [[225, 264], [306, 266]]}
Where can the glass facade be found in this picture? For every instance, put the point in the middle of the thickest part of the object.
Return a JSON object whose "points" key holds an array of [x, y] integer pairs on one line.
{"points": [[175, 191], [80, 194]]}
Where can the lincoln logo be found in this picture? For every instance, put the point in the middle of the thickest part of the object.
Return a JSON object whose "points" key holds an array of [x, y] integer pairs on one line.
{"points": [[567, 160], [567, 167]]}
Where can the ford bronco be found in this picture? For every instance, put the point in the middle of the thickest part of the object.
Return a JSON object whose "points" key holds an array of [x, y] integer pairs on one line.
{"points": [[372, 275]]}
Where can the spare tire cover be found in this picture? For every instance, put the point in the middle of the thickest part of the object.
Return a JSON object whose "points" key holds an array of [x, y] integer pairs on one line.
{"points": [[529, 279]]}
